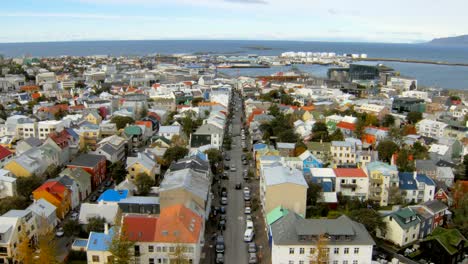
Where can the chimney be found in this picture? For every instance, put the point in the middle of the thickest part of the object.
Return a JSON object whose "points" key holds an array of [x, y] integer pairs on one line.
{"points": [[415, 174], [106, 228]]}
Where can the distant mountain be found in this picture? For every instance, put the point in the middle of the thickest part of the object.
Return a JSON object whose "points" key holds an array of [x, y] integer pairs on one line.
{"points": [[455, 41]]}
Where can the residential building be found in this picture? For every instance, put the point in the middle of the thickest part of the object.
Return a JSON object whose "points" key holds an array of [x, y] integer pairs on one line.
{"points": [[134, 135], [143, 163], [7, 184], [445, 246], [12, 224], [140, 205], [431, 128], [5, 156], [416, 188], [89, 135], [82, 179], [321, 150], [352, 182], [325, 177], [169, 131], [57, 194], [207, 134], [42, 209], [27, 144], [47, 127], [61, 142], [343, 152], [279, 180], [93, 117], [97, 247], [95, 165], [296, 240], [108, 211], [439, 210], [114, 148], [378, 110], [309, 161], [408, 104], [383, 182], [402, 227], [425, 217]]}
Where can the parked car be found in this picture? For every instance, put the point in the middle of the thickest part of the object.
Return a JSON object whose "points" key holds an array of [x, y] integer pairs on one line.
{"points": [[223, 210], [252, 258], [245, 162], [224, 200], [243, 157], [233, 168], [225, 176], [247, 210], [246, 190], [74, 216], [252, 247], [247, 197], [227, 158], [238, 186], [247, 203], [220, 244], [249, 224], [222, 225], [59, 232], [248, 217], [248, 235], [219, 258]]}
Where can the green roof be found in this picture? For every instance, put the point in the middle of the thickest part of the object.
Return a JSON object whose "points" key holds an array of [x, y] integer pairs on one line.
{"points": [[276, 214], [317, 146], [133, 130], [448, 238]]}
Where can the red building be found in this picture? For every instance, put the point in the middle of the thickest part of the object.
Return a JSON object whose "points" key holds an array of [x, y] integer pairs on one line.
{"points": [[94, 165]]}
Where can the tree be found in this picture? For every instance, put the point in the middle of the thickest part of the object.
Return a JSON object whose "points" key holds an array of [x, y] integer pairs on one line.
{"points": [[299, 148], [52, 171], [460, 219], [46, 243], [118, 171], [337, 135], [395, 195], [274, 110], [13, 202], [144, 183], [71, 228], [26, 185], [414, 117], [196, 101], [395, 134], [120, 245], [320, 132], [178, 256], [404, 160], [321, 252], [188, 124], [359, 131], [95, 224], [173, 154], [288, 136], [177, 140], [59, 114], [370, 219], [215, 157], [25, 251], [122, 121], [419, 151], [386, 149], [388, 120], [314, 193]]}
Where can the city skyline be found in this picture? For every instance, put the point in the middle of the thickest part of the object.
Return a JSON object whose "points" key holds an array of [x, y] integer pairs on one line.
{"points": [[335, 20]]}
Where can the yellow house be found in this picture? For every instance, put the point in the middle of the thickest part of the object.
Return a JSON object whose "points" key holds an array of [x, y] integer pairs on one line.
{"points": [[93, 118], [57, 194], [89, 137], [307, 116], [382, 177], [143, 163]]}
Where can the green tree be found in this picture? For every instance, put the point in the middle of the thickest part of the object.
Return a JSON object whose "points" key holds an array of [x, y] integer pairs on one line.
{"points": [[299, 148], [215, 157], [419, 151], [173, 154], [95, 224], [386, 149], [144, 183], [288, 135], [120, 245], [388, 120], [337, 135], [320, 132], [395, 134], [71, 228], [196, 101], [26, 185], [118, 171], [404, 161], [370, 219], [122, 121], [274, 110], [314, 193], [188, 123], [52, 171], [360, 125], [13, 202], [414, 117]]}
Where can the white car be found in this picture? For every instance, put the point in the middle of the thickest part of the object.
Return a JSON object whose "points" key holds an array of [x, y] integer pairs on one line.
{"points": [[59, 232], [247, 210], [249, 224], [246, 190]]}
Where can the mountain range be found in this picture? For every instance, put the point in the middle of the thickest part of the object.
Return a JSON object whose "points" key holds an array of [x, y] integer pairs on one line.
{"points": [[454, 41]]}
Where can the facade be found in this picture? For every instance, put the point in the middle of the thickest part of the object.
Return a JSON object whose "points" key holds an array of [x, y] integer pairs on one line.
{"points": [[5, 156], [7, 184], [430, 128], [97, 247], [309, 161], [279, 180], [114, 148], [378, 110], [214, 133], [296, 240], [383, 180], [416, 188], [57, 194], [169, 131], [82, 179], [95, 165], [47, 127], [402, 227], [343, 152], [142, 163], [407, 104], [352, 183], [12, 223], [439, 211]]}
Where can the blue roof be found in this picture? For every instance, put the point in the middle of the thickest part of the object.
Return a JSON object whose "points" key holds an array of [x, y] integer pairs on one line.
{"points": [[408, 182], [72, 133], [80, 242], [100, 241], [113, 195], [259, 146], [327, 186]]}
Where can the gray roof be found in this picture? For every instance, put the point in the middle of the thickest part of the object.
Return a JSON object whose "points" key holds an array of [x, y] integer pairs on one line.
{"points": [[425, 165], [108, 148], [188, 179], [286, 230], [87, 160], [194, 162], [140, 200], [280, 174], [33, 141], [435, 206], [208, 129]]}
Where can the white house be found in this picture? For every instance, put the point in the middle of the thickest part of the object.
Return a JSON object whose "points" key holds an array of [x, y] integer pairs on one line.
{"points": [[46, 127], [296, 240], [212, 133], [343, 152], [402, 227], [431, 128], [97, 248], [7, 184], [43, 209], [105, 210], [416, 187], [352, 182], [169, 131]]}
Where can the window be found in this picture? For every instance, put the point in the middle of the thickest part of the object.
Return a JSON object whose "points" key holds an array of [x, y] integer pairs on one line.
{"points": [[291, 251], [151, 261], [346, 250], [291, 262], [301, 262], [164, 249], [336, 251], [158, 249], [356, 250], [355, 262], [345, 262], [312, 251], [171, 249], [335, 262], [301, 250], [150, 248], [95, 258]]}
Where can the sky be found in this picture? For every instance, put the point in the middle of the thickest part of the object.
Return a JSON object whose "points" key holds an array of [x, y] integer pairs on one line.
{"points": [[396, 21]]}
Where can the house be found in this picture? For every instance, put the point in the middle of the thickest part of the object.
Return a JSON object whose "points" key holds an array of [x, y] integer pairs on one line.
{"points": [[187, 187], [427, 167], [89, 136], [33, 162], [321, 150], [49, 126], [346, 128], [352, 182], [43, 209], [309, 161], [279, 180], [142, 163], [60, 141], [93, 117], [7, 184], [169, 131], [57, 194], [402, 227], [82, 179], [273, 216], [72, 185], [445, 175], [373, 135], [207, 133], [113, 148], [325, 177], [95, 165], [112, 196], [431, 128], [286, 149], [140, 205], [157, 238], [5, 156], [383, 180], [439, 211], [27, 144], [11, 224], [108, 211], [425, 217], [379, 111], [416, 188], [161, 142], [97, 247], [343, 152], [297, 240], [445, 246], [134, 135]]}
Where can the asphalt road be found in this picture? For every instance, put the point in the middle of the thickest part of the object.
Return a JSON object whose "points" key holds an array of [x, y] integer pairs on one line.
{"points": [[236, 248]]}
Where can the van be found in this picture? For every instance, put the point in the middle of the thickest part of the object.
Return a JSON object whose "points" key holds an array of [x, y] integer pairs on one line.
{"points": [[248, 235]]}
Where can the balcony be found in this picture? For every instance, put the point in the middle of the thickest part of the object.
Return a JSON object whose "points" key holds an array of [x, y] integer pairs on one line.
{"points": [[348, 185], [376, 189], [376, 180]]}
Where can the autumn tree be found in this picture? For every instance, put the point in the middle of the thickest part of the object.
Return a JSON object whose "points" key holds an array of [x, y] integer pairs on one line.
{"points": [[299, 148], [321, 253], [122, 121], [46, 243], [388, 120], [178, 140], [120, 246], [144, 183], [405, 161], [386, 149], [371, 220], [25, 251], [178, 255]]}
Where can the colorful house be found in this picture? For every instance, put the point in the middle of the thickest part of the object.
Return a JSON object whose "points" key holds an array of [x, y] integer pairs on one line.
{"points": [[142, 163], [309, 161], [57, 194], [92, 164], [445, 246], [372, 135]]}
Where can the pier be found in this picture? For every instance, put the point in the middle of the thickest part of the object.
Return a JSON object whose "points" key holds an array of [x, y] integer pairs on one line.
{"points": [[414, 61]]}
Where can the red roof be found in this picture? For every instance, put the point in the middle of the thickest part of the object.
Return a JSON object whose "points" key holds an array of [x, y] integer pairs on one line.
{"points": [[53, 187], [155, 115], [35, 95], [350, 172], [4, 152], [147, 124], [141, 227], [178, 224], [61, 138], [54, 109], [30, 88], [346, 125], [254, 113]]}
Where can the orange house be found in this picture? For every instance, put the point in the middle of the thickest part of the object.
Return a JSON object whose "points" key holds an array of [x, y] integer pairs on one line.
{"points": [[57, 194]]}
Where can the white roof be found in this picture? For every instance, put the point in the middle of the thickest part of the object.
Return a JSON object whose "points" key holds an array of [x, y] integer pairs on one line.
{"points": [[439, 149], [169, 129], [105, 210], [280, 174], [323, 172], [329, 197], [42, 207]]}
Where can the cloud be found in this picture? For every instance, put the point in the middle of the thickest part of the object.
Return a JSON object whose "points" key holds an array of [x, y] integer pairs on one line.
{"points": [[247, 1]]}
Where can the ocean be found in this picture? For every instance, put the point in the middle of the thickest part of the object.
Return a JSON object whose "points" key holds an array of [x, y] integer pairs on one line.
{"points": [[453, 77]]}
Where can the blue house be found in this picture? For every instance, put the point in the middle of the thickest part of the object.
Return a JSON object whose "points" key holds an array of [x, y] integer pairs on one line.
{"points": [[310, 161], [325, 177], [425, 216], [415, 187], [113, 196], [98, 245]]}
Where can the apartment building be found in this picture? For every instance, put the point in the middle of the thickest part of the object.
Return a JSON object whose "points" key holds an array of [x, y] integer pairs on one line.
{"points": [[430, 128]]}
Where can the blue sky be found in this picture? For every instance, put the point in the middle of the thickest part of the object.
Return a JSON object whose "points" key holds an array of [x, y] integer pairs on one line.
{"points": [[331, 20]]}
